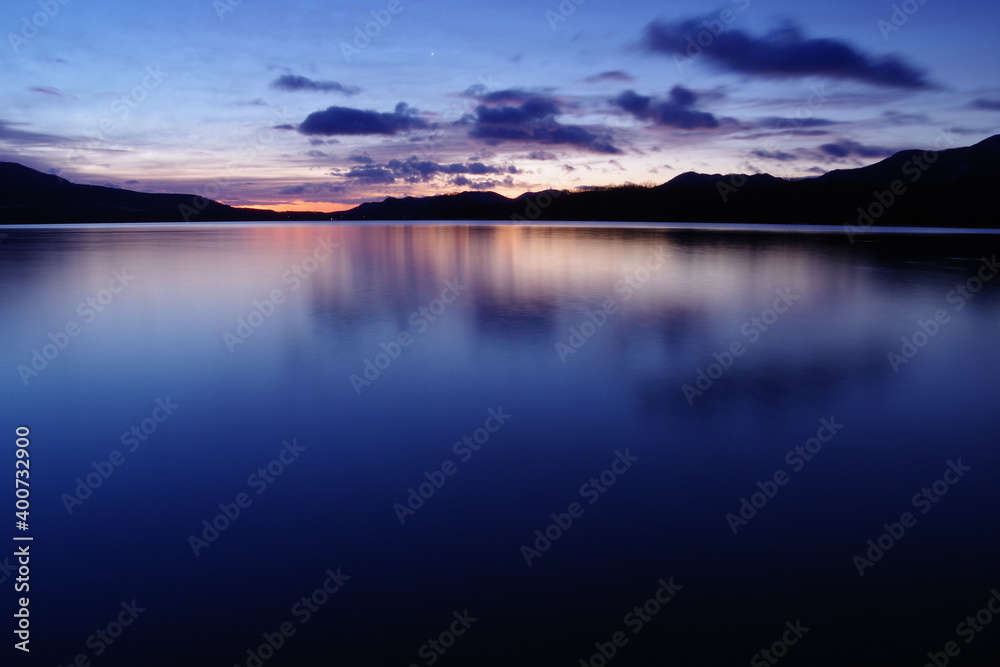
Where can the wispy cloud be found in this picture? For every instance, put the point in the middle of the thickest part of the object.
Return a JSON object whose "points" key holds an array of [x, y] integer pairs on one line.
{"points": [[778, 122], [613, 75], [46, 90], [310, 189], [9, 134], [292, 82]]}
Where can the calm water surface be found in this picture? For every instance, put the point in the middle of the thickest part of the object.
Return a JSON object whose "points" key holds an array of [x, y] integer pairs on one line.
{"points": [[705, 428]]}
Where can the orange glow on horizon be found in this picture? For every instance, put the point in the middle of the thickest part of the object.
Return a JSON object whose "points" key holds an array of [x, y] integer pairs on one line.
{"points": [[318, 207]]}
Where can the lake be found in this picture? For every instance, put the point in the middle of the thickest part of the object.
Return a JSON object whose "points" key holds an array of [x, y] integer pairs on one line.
{"points": [[477, 444]]}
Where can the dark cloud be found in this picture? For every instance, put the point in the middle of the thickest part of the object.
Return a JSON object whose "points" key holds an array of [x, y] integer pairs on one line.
{"points": [[528, 110], [284, 127], [370, 174], [676, 110], [778, 122], [293, 82], [983, 103], [615, 75], [462, 181], [542, 155], [847, 148], [513, 115], [781, 156], [317, 154], [310, 189], [958, 129], [902, 118], [510, 96], [344, 120], [797, 133], [682, 97], [785, 52], [415, 170], [360, 159], [505, 96]]}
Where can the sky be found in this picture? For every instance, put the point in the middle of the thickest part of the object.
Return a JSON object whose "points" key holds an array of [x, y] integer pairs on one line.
{"points": [[311, 105]]}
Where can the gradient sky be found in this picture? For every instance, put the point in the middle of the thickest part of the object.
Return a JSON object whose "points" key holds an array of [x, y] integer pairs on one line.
{"points": [[283, 105]]}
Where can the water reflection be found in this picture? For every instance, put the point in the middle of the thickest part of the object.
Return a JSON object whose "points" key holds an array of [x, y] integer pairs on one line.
{"points": [[645, 311]]}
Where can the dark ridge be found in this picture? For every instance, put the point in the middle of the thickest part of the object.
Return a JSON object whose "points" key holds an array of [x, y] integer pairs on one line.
{"points": [[947, 188]]}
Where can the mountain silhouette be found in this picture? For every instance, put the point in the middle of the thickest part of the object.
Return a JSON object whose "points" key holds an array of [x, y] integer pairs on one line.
{"points": [[947, 188], [29, 196]]}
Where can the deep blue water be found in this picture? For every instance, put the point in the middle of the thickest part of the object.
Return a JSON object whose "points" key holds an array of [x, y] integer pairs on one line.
{"points": [[507, 374]]}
